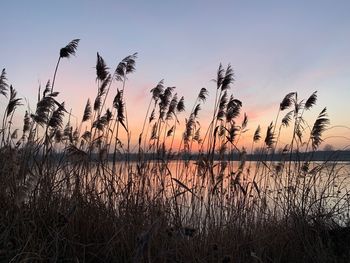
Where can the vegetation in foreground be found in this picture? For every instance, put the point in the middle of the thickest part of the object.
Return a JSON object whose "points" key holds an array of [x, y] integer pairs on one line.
{"points": [[76, 207]]}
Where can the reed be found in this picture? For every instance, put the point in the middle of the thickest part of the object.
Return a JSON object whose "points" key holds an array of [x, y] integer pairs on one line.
{"points": [[78, 193]]}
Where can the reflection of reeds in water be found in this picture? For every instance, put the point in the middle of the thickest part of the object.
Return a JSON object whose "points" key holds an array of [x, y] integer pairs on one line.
{"points": [[73, 193]]}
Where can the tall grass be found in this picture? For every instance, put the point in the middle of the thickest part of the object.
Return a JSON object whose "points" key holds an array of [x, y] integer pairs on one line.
{"points": [[79, 194]]}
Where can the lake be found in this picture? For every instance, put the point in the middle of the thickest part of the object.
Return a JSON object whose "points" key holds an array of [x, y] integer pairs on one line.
{"points": [[197, 189]]}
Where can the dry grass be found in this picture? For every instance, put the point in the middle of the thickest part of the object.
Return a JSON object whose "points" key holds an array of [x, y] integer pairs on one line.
{"points": [[78, 194]]}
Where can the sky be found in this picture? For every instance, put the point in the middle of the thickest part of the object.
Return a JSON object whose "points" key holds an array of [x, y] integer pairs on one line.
{"points": [[274, 47]]}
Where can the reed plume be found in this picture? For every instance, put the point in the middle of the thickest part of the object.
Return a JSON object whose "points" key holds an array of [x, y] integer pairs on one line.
{"points": [[118, 104], [157, 90], [287, 119], [311, 101], [3, 83], [233, 109], [13, 102], [125, 67], [180, 107], [56, 120], [101, 68], [65, 52], [43, 109], [244, 122], [172, 108], [203, 94], [318, 128], [228, 78], [87, 111], [270, 137], [219, 76], [257, 135], [287, 101], [70, 49], [222, 106]]}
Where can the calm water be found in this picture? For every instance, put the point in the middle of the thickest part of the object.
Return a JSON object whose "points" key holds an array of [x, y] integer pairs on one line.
{"points": [[229, 186], [228, 178]]}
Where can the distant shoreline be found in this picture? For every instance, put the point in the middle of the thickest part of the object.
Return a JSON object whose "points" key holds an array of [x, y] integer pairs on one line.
{"points": [[341, 156]]}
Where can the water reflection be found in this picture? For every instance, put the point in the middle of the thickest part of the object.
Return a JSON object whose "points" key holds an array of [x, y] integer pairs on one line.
{"points": [[199, 189]]}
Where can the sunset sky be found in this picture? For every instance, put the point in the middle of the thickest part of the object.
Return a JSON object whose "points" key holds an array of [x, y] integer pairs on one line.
{"points": [[275, 47]]}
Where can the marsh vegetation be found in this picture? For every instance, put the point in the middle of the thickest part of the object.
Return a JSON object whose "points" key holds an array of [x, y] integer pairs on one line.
{"points": [[71, 193]]}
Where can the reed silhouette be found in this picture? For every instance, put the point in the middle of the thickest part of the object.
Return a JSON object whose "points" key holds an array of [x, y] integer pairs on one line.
{"points": [[72, 193]]}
